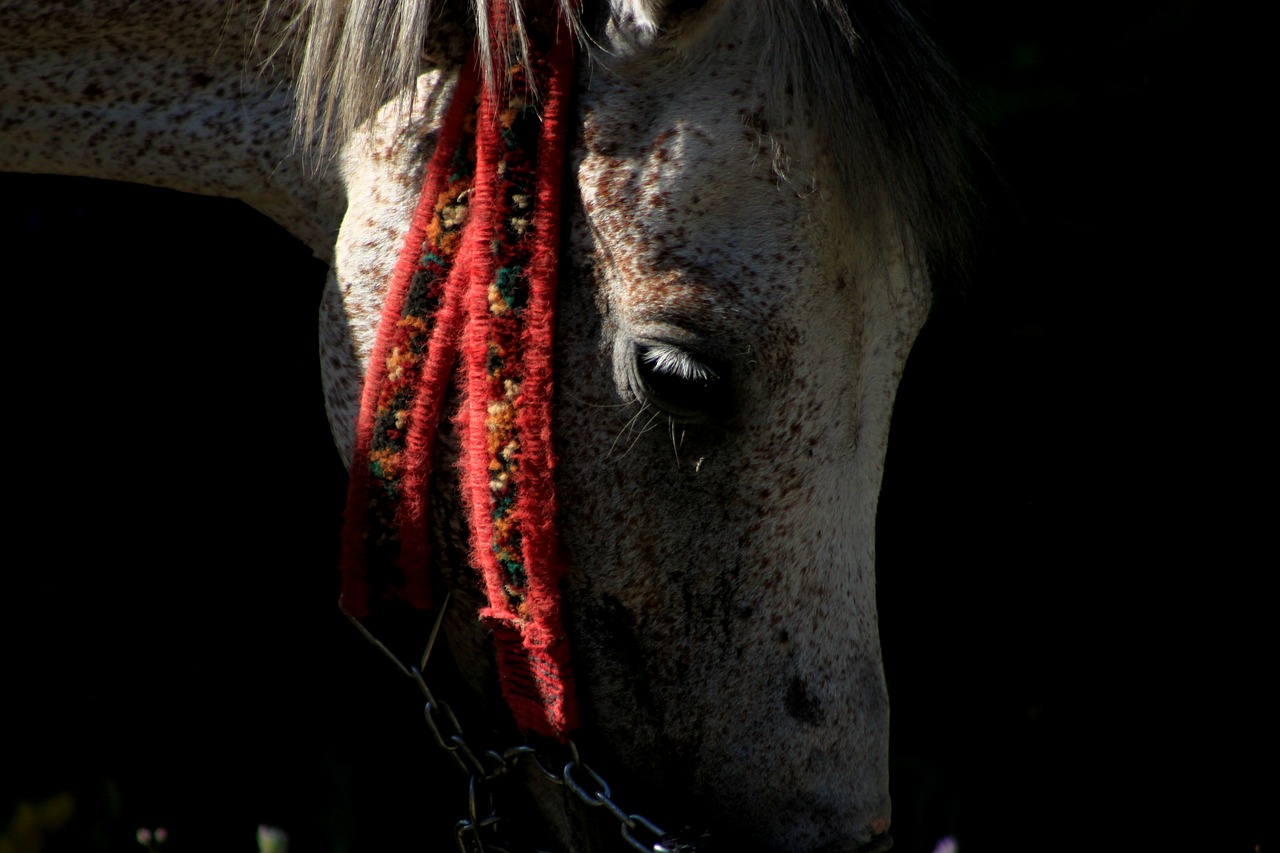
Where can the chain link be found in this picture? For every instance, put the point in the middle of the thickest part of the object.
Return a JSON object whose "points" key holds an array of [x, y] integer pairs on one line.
{"points": [[479, 832]]}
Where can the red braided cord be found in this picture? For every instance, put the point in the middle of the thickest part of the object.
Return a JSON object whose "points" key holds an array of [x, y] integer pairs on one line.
{"points": [[489, 289]]}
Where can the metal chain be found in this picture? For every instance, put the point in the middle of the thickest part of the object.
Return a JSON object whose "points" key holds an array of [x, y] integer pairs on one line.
{"points": [[479, 831]]}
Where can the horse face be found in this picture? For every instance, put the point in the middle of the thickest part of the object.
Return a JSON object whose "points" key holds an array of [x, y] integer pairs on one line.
{"points": [[729, 341]]}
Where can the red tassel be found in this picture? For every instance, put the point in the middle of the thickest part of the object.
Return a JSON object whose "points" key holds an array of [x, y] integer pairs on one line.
{"points": [[485, 290]]}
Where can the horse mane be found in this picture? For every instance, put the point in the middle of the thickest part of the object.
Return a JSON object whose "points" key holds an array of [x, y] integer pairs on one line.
{"points": [[888, 104]]}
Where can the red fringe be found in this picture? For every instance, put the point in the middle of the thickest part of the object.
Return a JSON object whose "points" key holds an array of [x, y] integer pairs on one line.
{"points": [[536, 514], [413, 528], [532, 651]]}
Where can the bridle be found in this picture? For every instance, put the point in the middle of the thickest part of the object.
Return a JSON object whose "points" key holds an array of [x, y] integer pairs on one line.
{"points": [[471, 303], [475, 285]]}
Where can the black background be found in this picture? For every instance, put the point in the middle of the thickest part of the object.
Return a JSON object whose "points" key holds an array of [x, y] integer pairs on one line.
{"points": [[1074, 582]]}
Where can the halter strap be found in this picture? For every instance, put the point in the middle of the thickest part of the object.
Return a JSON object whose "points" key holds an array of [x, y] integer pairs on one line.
{"points": [[473, 292]]}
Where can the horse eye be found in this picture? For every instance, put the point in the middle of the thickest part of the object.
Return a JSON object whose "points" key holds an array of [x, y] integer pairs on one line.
{"points": [[681, 384]]}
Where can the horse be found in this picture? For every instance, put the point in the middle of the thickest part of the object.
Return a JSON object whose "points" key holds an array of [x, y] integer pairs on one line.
{"points": [[758, 195]]}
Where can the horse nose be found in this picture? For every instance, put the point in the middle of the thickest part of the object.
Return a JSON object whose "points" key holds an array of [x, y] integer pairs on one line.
{"points": [[878, 844], [713, 841]]}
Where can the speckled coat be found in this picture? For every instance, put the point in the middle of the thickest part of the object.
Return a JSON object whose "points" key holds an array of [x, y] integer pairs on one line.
{"points": [[721, 593]]}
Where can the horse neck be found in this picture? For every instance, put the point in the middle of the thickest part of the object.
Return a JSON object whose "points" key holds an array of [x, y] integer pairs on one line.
{"points": [[164, 94]]}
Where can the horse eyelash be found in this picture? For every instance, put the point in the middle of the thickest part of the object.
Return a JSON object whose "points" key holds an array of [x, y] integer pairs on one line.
{"points": [[678, 363]]}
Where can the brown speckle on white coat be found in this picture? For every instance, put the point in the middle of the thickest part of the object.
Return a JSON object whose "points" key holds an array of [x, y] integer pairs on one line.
{"points": [[682, 576], [720, 598]]}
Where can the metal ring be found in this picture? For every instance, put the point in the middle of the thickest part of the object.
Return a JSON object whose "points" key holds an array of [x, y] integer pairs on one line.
{"points": [[552, 776], [430, 710], [648, 826], [613, 809], [471, 804], [468, 837], [602, 787]]}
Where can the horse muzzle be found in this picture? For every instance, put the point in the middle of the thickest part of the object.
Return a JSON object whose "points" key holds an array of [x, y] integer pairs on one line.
{"points": [[881, 843], [878, 844]]}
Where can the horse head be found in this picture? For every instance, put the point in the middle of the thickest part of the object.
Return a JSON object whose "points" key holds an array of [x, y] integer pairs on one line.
{"points": [[755, 195]]}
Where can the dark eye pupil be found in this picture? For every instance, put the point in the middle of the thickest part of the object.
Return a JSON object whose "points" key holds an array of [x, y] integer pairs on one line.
{"points": [[681, 385]]}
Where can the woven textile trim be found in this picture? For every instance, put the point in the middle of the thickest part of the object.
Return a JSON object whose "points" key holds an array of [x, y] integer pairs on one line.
{"points": [[472, 300]]}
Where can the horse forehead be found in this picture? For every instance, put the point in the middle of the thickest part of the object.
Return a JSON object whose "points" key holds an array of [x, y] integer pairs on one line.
{"points": [[664, 129], [681, 193]]}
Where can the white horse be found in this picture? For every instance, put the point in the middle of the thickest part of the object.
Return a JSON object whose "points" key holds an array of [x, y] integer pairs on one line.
{"points": [[758, 192]]}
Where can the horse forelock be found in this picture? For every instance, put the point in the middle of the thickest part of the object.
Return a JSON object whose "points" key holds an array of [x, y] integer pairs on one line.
{"points": [[352, 57], [873, 89]]}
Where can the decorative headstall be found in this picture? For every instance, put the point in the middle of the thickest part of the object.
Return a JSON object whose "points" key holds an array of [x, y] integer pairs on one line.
{"points": [[473, 294]]}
